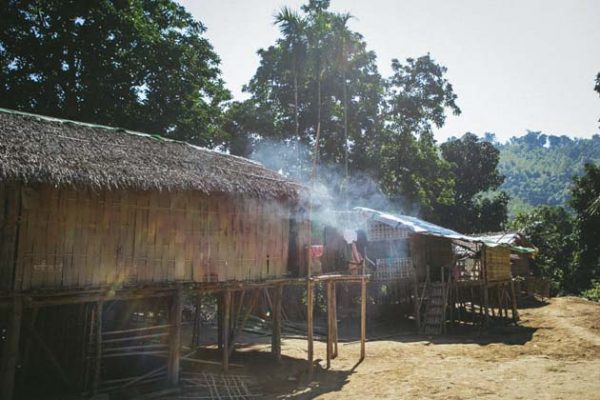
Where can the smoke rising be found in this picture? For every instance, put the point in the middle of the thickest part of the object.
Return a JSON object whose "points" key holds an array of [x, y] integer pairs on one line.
{"points": [[331, 191]]}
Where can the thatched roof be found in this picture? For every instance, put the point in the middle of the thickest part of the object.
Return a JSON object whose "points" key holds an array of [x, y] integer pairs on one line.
{"points": [[38, 149]]}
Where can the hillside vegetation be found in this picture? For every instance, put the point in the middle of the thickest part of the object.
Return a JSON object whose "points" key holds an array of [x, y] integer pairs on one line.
{"points": [[539, 168]]}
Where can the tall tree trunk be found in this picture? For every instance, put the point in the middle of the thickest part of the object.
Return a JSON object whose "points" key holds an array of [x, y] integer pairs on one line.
{"points": [[345, 122], [318, 135], [296, 118]]}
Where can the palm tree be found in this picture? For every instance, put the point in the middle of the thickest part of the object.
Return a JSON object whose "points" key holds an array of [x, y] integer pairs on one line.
{"points": [[320, 27], [292, 26], [344, 39]]}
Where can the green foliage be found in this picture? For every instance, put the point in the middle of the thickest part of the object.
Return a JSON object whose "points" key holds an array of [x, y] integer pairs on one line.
{"points": [[593, 293], [585, 192], [142, 65], [539, 168], [551, 229], [419, 94], [318, 76], [474, 167]]}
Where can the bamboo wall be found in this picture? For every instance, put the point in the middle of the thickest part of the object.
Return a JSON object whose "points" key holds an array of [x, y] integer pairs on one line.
{"points": [[72, 238], [497, 263], [429, 250]]}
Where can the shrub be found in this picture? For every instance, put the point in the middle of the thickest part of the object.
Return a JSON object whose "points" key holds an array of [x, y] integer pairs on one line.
{"points": [[593, 293]]}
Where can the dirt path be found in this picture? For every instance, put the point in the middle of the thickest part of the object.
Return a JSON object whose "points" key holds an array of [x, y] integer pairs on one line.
{"points": [[553, 354]]}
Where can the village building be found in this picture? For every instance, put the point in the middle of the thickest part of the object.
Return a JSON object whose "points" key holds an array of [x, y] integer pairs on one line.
{"points": [[433, 273], [98, 222]]}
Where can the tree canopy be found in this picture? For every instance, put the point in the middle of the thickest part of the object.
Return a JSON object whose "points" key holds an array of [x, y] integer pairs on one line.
{"points": [[474, 164], [141, 65]]}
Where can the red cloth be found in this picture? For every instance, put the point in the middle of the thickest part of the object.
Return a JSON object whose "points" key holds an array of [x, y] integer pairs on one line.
{"points": [[316, 250]]}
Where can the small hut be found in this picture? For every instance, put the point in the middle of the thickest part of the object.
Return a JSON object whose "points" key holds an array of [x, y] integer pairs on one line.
{"points": [[93, 214], [435, 271]]}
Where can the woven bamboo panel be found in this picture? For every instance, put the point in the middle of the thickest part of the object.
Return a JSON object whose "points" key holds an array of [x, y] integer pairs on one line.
{"points": [[72, 238], [392, 269], [497, 263], [378, 231]]}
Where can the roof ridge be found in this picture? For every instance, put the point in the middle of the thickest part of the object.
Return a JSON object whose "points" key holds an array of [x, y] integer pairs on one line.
{"points": [[130, 132]]}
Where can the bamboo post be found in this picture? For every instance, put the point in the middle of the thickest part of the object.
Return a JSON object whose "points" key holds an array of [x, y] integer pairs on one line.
{"points": [[515, 312], [98, 340], [225, 329], [486, 300], [220, 297], [363, 317], [10, 352], [329, 325], [309, 326], [276, 337], [334, 319], [175, 337], [417, 306]]}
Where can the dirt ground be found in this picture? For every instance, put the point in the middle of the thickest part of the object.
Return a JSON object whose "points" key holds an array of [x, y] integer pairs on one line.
{"points": [[554, 353]]}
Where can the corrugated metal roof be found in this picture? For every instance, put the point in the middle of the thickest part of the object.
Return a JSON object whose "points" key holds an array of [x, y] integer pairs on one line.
{"points": [[413, 224], [421, 227]]}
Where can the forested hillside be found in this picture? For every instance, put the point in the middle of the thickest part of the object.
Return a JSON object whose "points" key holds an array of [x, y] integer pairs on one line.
{"points": [[539, 168]]}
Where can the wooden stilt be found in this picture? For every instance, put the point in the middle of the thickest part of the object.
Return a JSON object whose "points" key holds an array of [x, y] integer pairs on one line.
{"points": [[499, 290], [234, 332], [515, 312], [309, 326], [226, 318], [363, 317], [486, 304], [98, 341], [276, 336], [196, 327], [175, 337], [10, 354], [335, 321], [329, 324], [416, 305], [220, 313]]}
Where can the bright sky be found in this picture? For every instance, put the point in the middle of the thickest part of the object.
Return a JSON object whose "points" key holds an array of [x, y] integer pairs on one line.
{"points": [[515, 65]]}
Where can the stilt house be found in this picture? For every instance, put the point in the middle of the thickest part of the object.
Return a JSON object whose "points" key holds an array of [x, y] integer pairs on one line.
{"points": [[90, 214]]}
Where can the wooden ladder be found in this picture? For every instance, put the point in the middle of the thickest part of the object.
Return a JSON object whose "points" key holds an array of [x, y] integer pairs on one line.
{"points": [[435, 314]]}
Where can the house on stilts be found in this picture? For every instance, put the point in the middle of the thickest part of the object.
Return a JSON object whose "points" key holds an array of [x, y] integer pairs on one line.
{"points": [[433, 273], [96, 221]]}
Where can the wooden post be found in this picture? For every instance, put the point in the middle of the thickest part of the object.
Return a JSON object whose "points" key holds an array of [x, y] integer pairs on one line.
{"points": [[309, 326], [363, 317], [486, 300], [220, 297], [513, 296], [225, 330], [276, 337], [98, 340], [10, 354], [416, 299], [335, 322], [175, 337], [329, 324]]}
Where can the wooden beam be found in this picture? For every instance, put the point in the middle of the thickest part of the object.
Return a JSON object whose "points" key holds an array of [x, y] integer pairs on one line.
{"points": [[276, 336], [98, 341], [513, 296], [10, 354], [310, 326], [220, 297], [417, 303], [225, 329], [173, 362], [363, 317], [334, 319], [329, 324]]}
